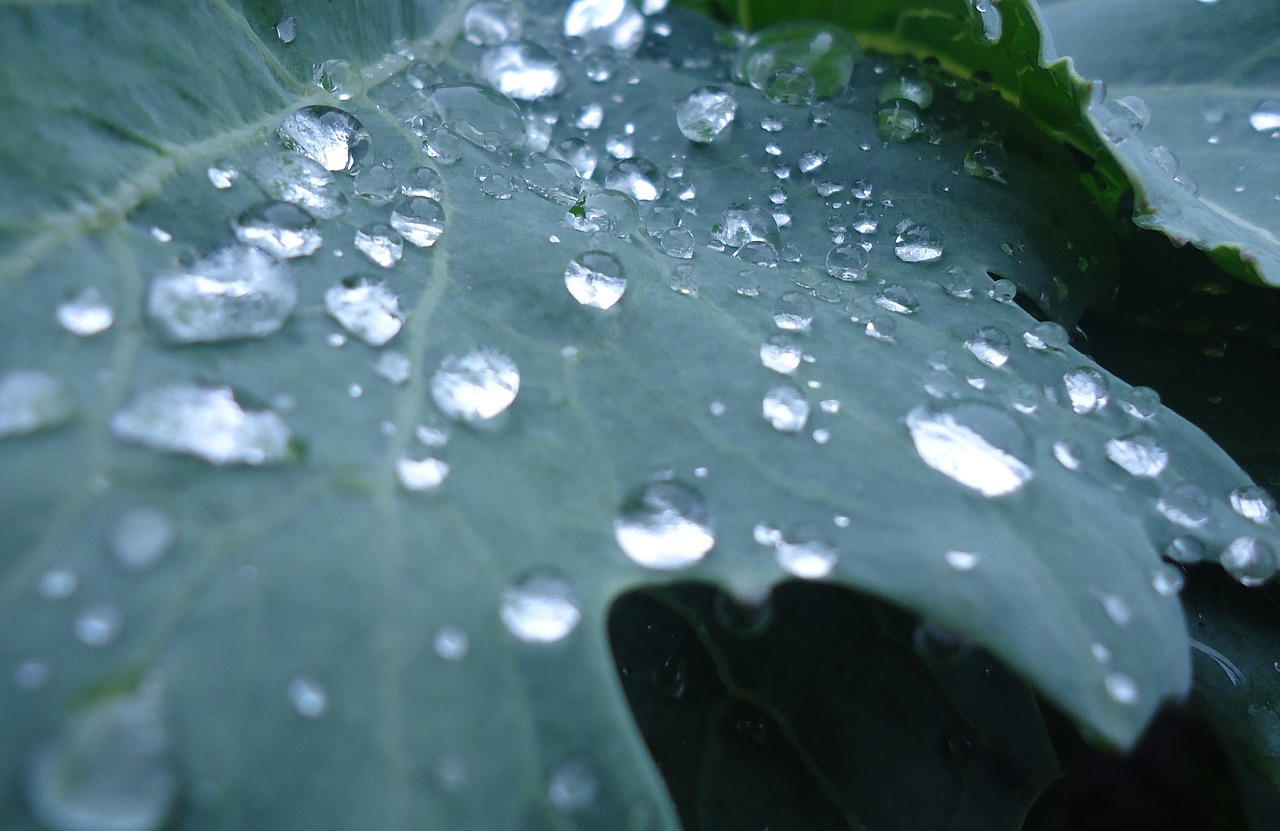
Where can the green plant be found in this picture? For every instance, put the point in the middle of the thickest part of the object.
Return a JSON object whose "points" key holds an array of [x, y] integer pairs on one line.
{"points": [[393, 525]]}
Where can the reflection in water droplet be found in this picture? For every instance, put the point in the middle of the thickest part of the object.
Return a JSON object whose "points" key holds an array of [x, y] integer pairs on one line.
{"points": [[1253, 503], [307, 697], [974, 444], [108, 768], [899, 121], [334, 138], [1249, 560], [986, 160], [541, 608], [419, 475], [31, 400], [1086, 389], [595, 279], [786, 409], [475, 386], [142, 536], [665, 525], [916, 243], [86, 314], [423, 181], [792, 85], [986, 24], [522, 70], [1139, 454], [575, 783], [203, 421], [99, 625], [419, 219], [704, 114], [367, 308], [281, 229], [237, 292]]}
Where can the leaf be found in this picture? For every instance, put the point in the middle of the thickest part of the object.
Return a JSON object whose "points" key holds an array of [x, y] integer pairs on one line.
{"points": [[289, 585]]}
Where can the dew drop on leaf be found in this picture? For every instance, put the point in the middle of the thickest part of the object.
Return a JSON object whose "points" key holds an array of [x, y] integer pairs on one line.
{"points": [[609, 24], [376, 183], [1266, 116], [1087, 389], [98, 625], [367, 308], [990, 345], [488, 23], [393, 366], [1121, 688], [805, 553], [475, 386], [58, 583], [236, 292], [1253, 503], [780, 354], [307, 696], [1184, 504], [897, 298], [786, 409], [521, 70], [595, 279], [451, 643], [848, 262], [704, 114], [32, 400], [974, 444], [1139, 454], [541, 608], [333, 137], [793, 311], [479, 114], [419, 220], [86, 313], [665, 525], [1046, 336], [142, 537], [206, 422], [1186, 550], [423, 181], [742, 224], [961, 560], [281, 229], [419, 475], [826, 52], [917, 243], [290, 177], [1249, 560], [574, 785], [638, 178], [381, 243]]}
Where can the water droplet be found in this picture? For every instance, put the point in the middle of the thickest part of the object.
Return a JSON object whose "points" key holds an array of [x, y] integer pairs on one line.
{"points": [[222, 175], [336, 77], [31, 400], [1184, 550], [897, 298], [281, 229], [476, 386], [1184, 504], [678, 243], [610, 24], [848, 262], [86, 314], [961, 560], [555, 180], [451, 643], [828, 53], [907, 88], [665, 525], [986, 24], [786, 409], [541, 608], [376, 184], [290, 177], [742, 224], [974, 444], [99, 625], [367, 308], [1140, 454], [488, 23], [1046, 335], [380, 243], [899, 121], [704, 114], [791, 85], [1116, 608], [307, 696], [793, 311], [1249, 560], [803, 552], [1100, 653], [1121, 688], [236, 292], [58, 583], [1266, 117], [31, 675], [481, 115], [780, 354], [395, 367], [419, 475], [1253, 503], [419, 219], [1086, 389], [334, 138], [206, 422], [522, 70], [287, 28], [990, 345], [595, 279], [986, 160], [575, 784], [423, 181], [108, 766], [916, 243], [638, 178], [142, 536], [1167, 581]]}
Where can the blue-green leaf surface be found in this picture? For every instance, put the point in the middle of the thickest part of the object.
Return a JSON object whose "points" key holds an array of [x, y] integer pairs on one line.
{"points": [[323, 642]]}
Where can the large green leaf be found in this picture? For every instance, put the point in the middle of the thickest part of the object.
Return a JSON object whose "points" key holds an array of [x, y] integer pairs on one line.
{"points": [[322, 645]]}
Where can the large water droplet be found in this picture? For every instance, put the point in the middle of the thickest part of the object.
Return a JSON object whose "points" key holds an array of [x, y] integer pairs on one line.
{"points": [[475, 386], [293, 178], [848, 262], [977, 445], [704, 114], [488, 23], [612, 24], [1266, 117], [281, 229], [108, 768], [793, 311], [1253, 503], [1249, 560], [826, 52], [786, 409], [541, 608], [367, 308], [986, 160], [991, 345], [916, 243], [665, 525], [31, 400], [380, 243], [334, 138], [1086, 389], [1140, 454], [595, 279], [206, 422], [742, 224], [86, 314], [479, 114], [522, 70], [237, 292], [142, 536], [638, 178], [419, 219]]}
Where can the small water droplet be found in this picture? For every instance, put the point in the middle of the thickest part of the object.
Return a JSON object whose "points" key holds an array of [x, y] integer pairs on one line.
{"points": [[805, 553], [917, 243], [610, 24], [1139, 454], [780, 354], [1266, 116], [1168, 581], [237, 292], [142, 537], [786, 409], [451, 643], [741, 224], [307, 696], [86, 314], [475, 386], [961, 560], [974, 444], [287, 28], [541, 608], [294, 178], [704, 114], [419, 219], [420, 475], [792, 85], [638, 178], [1121, 688], [899, 121], [423, 181], [1184, 504], [31, 400], [206, 422], [395, 367], [334, 138], [222, 174], [488, 23], [377, 184], [1249, 560], [99, 625], [522, 70], [848, 262], [990, 345], [58, 583], [575, 783], [338, 78], [1087, 389], [665, 525], [479, 114], [1253, 503], [986, 160], [282, 229], [1046, 336], [555, 180], [793, 311], [1185, 550], [366, 307], [986, 25], [380, 243], [595, 279]]}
